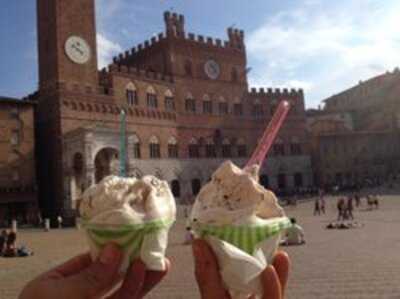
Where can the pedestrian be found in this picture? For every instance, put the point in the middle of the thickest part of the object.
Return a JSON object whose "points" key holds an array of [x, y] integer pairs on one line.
{"points": [[317, 209], [322, 204], [341, 208], [349, 208], [358, 200], [60, 221], [3, 241]]}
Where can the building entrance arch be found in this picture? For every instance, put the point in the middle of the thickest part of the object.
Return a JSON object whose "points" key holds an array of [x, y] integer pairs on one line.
{"points": [[77, 177], [106, 163]]}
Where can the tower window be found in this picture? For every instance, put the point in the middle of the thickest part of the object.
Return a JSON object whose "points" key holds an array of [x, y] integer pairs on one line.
{"points": [[190, 105], [223, 108], [131, 97], [169, 104]]}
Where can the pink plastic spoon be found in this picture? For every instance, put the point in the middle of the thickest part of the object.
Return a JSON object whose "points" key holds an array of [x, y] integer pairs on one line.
{"points": [[270, 133]]}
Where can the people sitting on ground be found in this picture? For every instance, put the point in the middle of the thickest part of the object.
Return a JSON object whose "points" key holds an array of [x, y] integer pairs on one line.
{"points": [[294, 234], [11, 250], [344, 225], [3, 241]]}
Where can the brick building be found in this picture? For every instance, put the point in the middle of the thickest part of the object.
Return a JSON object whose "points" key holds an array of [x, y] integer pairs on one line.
{"points": [[356, 137], [17, 162], [186, 99]]}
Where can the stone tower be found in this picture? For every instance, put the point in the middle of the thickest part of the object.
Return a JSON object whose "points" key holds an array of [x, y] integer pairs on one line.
{"points": [[67, 42]]}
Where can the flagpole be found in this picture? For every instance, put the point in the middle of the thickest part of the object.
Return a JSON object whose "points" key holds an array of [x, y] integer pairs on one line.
{"points": [[122, 159]]}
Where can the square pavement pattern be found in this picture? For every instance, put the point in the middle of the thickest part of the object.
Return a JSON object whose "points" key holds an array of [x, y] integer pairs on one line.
{"points": [[349, 264]]}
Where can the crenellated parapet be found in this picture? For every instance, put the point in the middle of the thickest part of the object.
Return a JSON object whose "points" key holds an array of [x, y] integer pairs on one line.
{"points": [[139, 49], [277, 93], [138, 73]]}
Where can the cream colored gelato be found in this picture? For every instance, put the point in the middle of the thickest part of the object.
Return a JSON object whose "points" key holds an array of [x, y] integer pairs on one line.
{"points": [[137, 212], [234, 197]]}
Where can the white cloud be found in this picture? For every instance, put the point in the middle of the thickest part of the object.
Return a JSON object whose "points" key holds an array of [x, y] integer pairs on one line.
{"points": [[106, 49], [327, 49]]}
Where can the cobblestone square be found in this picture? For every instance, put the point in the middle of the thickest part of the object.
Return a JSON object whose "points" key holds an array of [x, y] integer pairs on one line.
{"points": [[345, 264]]}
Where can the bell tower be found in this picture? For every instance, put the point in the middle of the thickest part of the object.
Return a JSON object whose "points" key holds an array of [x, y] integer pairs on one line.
{"points": [[67, 42]]}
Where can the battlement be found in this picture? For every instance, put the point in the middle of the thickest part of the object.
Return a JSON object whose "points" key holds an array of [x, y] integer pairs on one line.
{"points": [[276, 92], [123, 69], [147, 44]]}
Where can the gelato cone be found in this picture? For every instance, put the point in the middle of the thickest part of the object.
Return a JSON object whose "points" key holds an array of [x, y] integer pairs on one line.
{"points": [[242, 222], [135, 214]]}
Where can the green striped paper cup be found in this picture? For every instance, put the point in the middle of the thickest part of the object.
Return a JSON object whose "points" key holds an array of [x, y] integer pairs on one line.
{"points": [[128, 236], [245, 237]]}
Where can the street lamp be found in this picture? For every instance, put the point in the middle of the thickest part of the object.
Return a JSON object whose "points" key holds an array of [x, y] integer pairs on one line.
{"points": [[122, 157]]}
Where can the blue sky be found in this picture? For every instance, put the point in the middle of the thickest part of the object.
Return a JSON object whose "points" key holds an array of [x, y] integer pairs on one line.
{"points": [[322, 46]]}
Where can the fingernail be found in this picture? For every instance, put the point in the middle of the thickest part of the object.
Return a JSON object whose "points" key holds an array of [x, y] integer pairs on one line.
{"points": [[110, 254]]}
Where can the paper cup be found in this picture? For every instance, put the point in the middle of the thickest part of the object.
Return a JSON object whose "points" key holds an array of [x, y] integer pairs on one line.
{"points": [[146, 241], [243, 252]]}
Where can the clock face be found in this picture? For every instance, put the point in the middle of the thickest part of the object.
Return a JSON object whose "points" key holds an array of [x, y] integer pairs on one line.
{"points": [[212, 69], [77, 49]]}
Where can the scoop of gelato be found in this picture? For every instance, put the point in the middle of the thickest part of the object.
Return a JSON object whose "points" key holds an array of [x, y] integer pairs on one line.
{"points": [[117, 201], [234, 197], [135, 214]]}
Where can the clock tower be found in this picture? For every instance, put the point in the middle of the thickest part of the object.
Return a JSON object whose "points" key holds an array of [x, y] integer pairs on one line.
{"points": [[67, 42]]}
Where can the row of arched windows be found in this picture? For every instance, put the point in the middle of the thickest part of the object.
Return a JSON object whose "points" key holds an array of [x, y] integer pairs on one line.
{"points": [[207, 106], [194, 149]]}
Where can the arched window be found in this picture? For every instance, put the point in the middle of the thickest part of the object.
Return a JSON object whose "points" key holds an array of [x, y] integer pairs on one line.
{"points": [[237, 107], [154, 148], [196, 186], [258, 111], [188, 68], [226, 148], [169, 101], [207, 105], [176, 188], [222, 106], [211, 151], [241, 148], [295, 147], [190, 103], [152, 101], [173, 148], [131, 94], [279, 148], [194, 149], [136, 147], [234, 75]]}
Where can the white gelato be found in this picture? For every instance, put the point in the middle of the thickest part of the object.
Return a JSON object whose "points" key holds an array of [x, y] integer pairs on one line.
{"points": [[234, 198], [128, 202]]}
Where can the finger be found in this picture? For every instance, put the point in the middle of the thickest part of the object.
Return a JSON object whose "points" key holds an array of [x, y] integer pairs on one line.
{"points": [[154, 277], [271, 284], [133, 282], [100, 275], [207, 272], [74, 266], [281, 264]]}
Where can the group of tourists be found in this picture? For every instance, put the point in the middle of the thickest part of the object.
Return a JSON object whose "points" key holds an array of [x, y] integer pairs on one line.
{"points": [[8, 245]]}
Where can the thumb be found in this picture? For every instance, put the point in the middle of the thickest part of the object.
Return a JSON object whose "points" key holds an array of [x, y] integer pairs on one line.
{"points": [[100, 276]]}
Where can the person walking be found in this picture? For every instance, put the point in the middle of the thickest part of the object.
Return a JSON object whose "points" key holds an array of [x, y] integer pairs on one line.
{"points": [[317, 209], [349, 208], [340, 208], [322, 204]]}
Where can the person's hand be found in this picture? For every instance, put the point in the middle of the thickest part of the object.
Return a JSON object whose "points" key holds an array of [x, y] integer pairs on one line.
{"points": [[274, 277], [80, 278]]}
